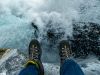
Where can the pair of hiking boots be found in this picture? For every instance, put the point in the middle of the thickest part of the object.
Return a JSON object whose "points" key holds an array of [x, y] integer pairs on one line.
{"points": [[35, 53]]}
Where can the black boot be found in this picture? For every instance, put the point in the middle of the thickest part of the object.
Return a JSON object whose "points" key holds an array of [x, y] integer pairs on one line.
{"points": [[35, 53], [64, 51], [35, 50]]}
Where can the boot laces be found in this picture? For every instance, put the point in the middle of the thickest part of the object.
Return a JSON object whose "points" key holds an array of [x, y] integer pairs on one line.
{"points": [[35, 53], [65, 52]]}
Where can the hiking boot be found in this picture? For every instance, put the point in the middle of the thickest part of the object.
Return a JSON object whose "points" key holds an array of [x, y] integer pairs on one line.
{"points": [[64, 50], [35, 52]]}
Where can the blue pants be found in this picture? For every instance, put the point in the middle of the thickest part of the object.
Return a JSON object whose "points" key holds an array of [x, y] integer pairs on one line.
{"points": [[68, 68]]}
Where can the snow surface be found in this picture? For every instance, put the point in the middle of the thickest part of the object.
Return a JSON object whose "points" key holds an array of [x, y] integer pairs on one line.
{"points": [[16, 31]]}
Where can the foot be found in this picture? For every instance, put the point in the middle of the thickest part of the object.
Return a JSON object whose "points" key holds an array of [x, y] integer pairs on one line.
{"points": [[35, 55], [64, 50], [35, 50]]}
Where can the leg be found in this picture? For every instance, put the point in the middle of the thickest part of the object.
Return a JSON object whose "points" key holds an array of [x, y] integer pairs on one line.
{"points": [[34, 65], [70, 67], [30, 70]]}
